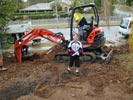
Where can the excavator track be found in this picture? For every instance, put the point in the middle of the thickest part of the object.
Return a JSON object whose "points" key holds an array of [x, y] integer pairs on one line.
{"points": [[86, 57], [89, 57]]}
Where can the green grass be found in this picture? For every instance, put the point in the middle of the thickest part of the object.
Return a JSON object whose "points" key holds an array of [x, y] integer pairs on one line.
{"points": [[124, 8]]}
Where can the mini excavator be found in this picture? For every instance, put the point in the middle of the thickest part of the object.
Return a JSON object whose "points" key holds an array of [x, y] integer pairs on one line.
{"points": [[93, 41]]}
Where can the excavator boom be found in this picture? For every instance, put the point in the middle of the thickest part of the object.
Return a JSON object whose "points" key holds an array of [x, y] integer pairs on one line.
{"points": [[57, 38]]}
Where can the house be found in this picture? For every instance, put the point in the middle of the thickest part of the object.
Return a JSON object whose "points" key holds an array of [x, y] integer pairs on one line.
{"points": [[42, 7], [39, 7]]}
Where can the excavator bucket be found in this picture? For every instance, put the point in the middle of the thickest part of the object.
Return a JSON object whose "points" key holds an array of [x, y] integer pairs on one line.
{"points": [[109, 57]]}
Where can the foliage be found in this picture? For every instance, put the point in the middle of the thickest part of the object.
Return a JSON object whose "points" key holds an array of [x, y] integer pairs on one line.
{"points": [[87, 1], [106, 11], [53, 6], [124, 2], [112, 2], [22, 4], [75, 3], [101, 7], [112, 7], [38, 1], [128, 2], [7, 9], [39, 15], [4, 40], [98, 4]]}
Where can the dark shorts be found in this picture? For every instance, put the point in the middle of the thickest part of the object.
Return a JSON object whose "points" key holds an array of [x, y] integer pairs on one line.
{"points": [[74, 59]]}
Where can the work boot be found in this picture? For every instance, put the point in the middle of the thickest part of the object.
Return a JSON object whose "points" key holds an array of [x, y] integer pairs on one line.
{"points": [[77, 74], [3, 69]]}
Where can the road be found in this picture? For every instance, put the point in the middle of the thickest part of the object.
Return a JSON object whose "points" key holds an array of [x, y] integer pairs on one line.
{"points": [[111, 34]]}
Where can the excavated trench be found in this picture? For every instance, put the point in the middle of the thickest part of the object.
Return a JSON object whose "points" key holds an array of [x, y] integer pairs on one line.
{"points": [[21, 88], [99, 76]]}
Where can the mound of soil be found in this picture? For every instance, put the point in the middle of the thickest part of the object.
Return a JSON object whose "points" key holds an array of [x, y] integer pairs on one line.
{"points": [[40, 77]]}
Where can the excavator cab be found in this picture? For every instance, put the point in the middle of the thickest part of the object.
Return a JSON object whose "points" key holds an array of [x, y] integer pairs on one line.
{"points": [[93, 39], [92, 35], [84, 19]]}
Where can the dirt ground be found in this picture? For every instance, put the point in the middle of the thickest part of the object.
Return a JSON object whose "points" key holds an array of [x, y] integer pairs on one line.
{"points": [[40, 77]]}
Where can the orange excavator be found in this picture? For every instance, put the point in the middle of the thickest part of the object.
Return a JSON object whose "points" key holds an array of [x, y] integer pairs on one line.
{"points": [[57, 38], [93, 41]]}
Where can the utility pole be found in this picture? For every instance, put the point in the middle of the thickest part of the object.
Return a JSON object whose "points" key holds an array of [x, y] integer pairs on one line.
{"points": [[56, 11]]}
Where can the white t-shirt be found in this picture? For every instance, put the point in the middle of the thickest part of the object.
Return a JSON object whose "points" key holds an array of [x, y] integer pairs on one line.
{"points": [[75, 46]]}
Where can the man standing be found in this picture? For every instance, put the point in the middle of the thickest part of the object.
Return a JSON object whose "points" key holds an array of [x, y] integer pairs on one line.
{"points": [[1, 60]]}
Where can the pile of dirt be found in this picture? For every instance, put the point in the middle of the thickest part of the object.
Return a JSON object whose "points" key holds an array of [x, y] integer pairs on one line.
{"points": [[122, 49], [44, 78]]}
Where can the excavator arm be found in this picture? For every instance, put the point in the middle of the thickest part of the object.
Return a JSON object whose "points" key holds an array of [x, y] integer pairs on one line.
{"points": [[57, 38]]}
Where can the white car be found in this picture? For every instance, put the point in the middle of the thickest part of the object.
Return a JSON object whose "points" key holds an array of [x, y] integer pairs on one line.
{"points": [[125, 26]]}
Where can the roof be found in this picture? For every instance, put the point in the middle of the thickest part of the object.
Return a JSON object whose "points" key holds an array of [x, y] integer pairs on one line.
{"points": [[38, 6], [43, 6]]}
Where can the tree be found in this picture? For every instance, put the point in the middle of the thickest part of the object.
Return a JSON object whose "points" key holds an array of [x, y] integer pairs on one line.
{"points": [[128, 2], [98, 4], [7, 9], [112, 2], [22, 4], [75, 3], [53, 6], [39, 1], [87, 1]]}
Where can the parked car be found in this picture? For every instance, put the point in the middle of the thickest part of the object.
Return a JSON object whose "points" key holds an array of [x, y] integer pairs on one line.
{"points": [[125, 26]]}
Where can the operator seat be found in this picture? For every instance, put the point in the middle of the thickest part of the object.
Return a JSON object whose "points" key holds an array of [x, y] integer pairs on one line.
{"points": [[87, 29]]}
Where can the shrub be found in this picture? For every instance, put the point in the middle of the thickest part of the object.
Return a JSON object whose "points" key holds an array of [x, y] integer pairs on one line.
{"points": [[39, 15]]}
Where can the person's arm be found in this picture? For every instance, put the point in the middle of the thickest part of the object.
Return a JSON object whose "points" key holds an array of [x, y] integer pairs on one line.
{"points": [[77, 18], [80, 48], [77, 22], [69, 49]]}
